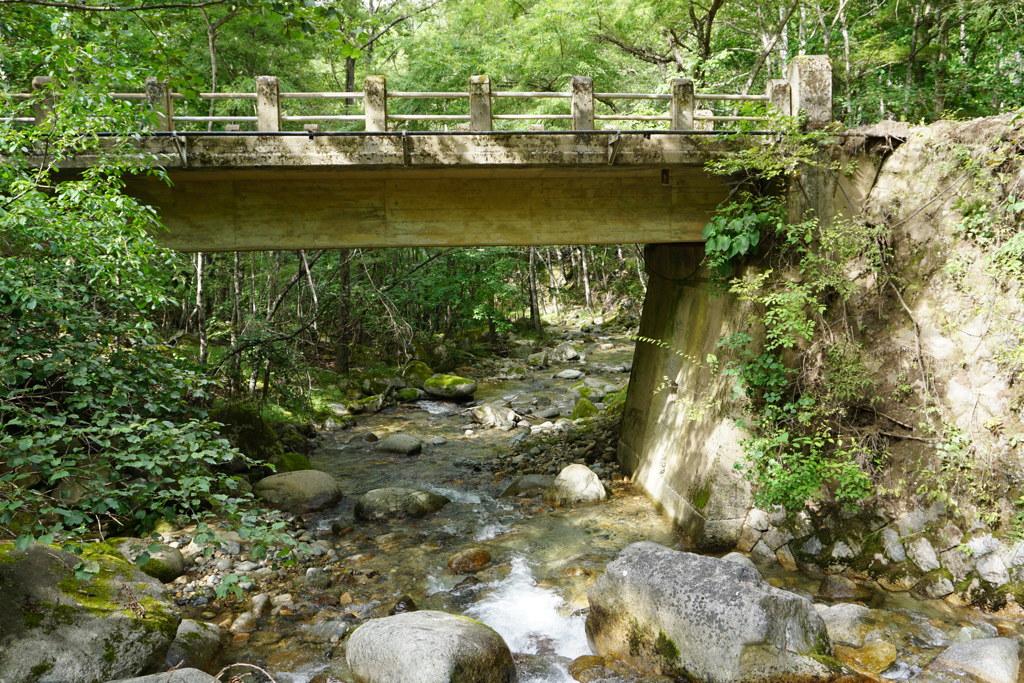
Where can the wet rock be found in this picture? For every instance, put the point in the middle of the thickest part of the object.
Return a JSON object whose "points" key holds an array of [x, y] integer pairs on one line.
{"points": [[244, 623], [466, 587], [990, 660], [875, 657], [892, 545], [740, 558], [400, 443], [299, 492], [785, 558], [494, 415], [469, 560], [528, 483], [846, 623], [590, 669], [671, 611], [548, 413], [395, 502], [196, 645], [575, 484], [449, 386], [841, 588], [404, 604], [52, 622], [428, 647], [317, 579], [934, 586]]}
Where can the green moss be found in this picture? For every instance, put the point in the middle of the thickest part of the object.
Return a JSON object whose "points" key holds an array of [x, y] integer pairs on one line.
{"points": [[584, 409], [409, 394], [666, 648], [700, 494], [40, 670], [245, 428], [290, 462], [447, 381], [416, 373]]}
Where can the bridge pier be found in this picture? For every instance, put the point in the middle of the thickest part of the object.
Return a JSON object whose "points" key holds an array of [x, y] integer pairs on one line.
{"points": [[679, 441]]}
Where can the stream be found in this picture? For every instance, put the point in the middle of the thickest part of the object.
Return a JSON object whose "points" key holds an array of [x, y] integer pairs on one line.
{"points": [[543, 559]]}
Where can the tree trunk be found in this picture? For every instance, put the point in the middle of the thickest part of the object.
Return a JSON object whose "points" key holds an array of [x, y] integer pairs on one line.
{"points": [[342, 343], [587, 296], [201, 310], [538, 328]]}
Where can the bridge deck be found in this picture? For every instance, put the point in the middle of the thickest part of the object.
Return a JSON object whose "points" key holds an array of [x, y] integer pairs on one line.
{"points": [[247, 192]]}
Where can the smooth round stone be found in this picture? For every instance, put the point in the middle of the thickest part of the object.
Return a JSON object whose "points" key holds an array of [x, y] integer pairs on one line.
{"points": [[469, 560]]}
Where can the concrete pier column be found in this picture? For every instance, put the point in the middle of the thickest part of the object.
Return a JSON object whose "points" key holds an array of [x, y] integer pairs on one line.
{"points": [[268, 103], [480, 103], [682, 104], [375, 103], [703, 124], [679, 441], [582, 103], [158, 97], [44, 106], [810, 78], [780, 97]]}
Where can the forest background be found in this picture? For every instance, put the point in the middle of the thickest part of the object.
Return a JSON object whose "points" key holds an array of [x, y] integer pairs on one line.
{"points": [[112, 351]]}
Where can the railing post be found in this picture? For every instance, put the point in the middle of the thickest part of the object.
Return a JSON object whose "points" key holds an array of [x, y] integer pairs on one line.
{"points": [[158, 97], [375, 103], [268, 104], [43, 107], [780, 96], [582, 103], [703, 124], [682, 104], [810, 80], [480, 103]]}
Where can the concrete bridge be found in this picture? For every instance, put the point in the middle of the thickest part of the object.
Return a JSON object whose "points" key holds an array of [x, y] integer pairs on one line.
{"points": [[272, 188]]}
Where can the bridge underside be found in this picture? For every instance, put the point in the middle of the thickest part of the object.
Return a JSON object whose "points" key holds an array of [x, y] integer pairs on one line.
{"points": [[229, 210]]}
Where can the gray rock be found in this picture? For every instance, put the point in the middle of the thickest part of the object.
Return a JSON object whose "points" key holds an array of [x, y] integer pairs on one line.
{"points": [[548, 413], [400, 443], [449, 386], [538, 360], [842, 551], [196, 645], [740, 558], [52, 622], [575, 484], [395, 502], [846, 622], [565, 352], [716, 620], [776, 538], [893, 547], [957, 563], [176, 676], [494, 415], [1013, 555], [428, 647], [990, 660], [757, 519], [812, 546], [983, 545], [528, 483], [991, 568], [949, 536], [569, 374], [921, 552], [935, 588], [722, 533], [916, 520], [164, 564], [299, 492]]}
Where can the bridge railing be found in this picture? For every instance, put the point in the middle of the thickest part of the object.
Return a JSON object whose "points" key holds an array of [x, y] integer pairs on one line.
{"points": [[808, 89]]}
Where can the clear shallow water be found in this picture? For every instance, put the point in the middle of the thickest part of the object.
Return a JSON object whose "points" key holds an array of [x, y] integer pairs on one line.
{"points": [[543, 560]]}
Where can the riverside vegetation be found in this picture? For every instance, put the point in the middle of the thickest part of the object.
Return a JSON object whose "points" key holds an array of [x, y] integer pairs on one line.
{"points": [[146, 392]]}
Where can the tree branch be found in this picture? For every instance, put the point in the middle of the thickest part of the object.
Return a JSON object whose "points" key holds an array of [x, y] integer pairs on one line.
{"points": [[116, 8]]}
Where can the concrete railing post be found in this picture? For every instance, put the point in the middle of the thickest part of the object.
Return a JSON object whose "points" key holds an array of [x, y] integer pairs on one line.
{"points": [[703, 124], [375, 103], [582, 103], [268, 104], [780, 97], [480, 103], [158, 97], [810, 80], [683, 104], [44, 105]]}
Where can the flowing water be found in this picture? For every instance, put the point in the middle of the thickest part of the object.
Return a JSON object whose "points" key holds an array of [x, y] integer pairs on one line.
{"points": [[543, 560]]}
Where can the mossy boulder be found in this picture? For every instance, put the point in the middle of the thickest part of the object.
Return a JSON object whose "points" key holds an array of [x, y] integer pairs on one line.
{"points": [[247, 431], [395, 502], [56, 627], [416, 372], [429, 646], [409, 394], [162, 562], [292, 462], [584, 409], [299, 492], [449, 386]]}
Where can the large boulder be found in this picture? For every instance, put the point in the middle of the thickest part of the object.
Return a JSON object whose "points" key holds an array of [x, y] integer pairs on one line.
{"points": [[175, 676], [987, 660], [56, 627], [575, 484], [395, 502], [416, 372], [400, 443], [299, 492], [449, 386], [702, 618], [429, 647], [164, 562]]}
